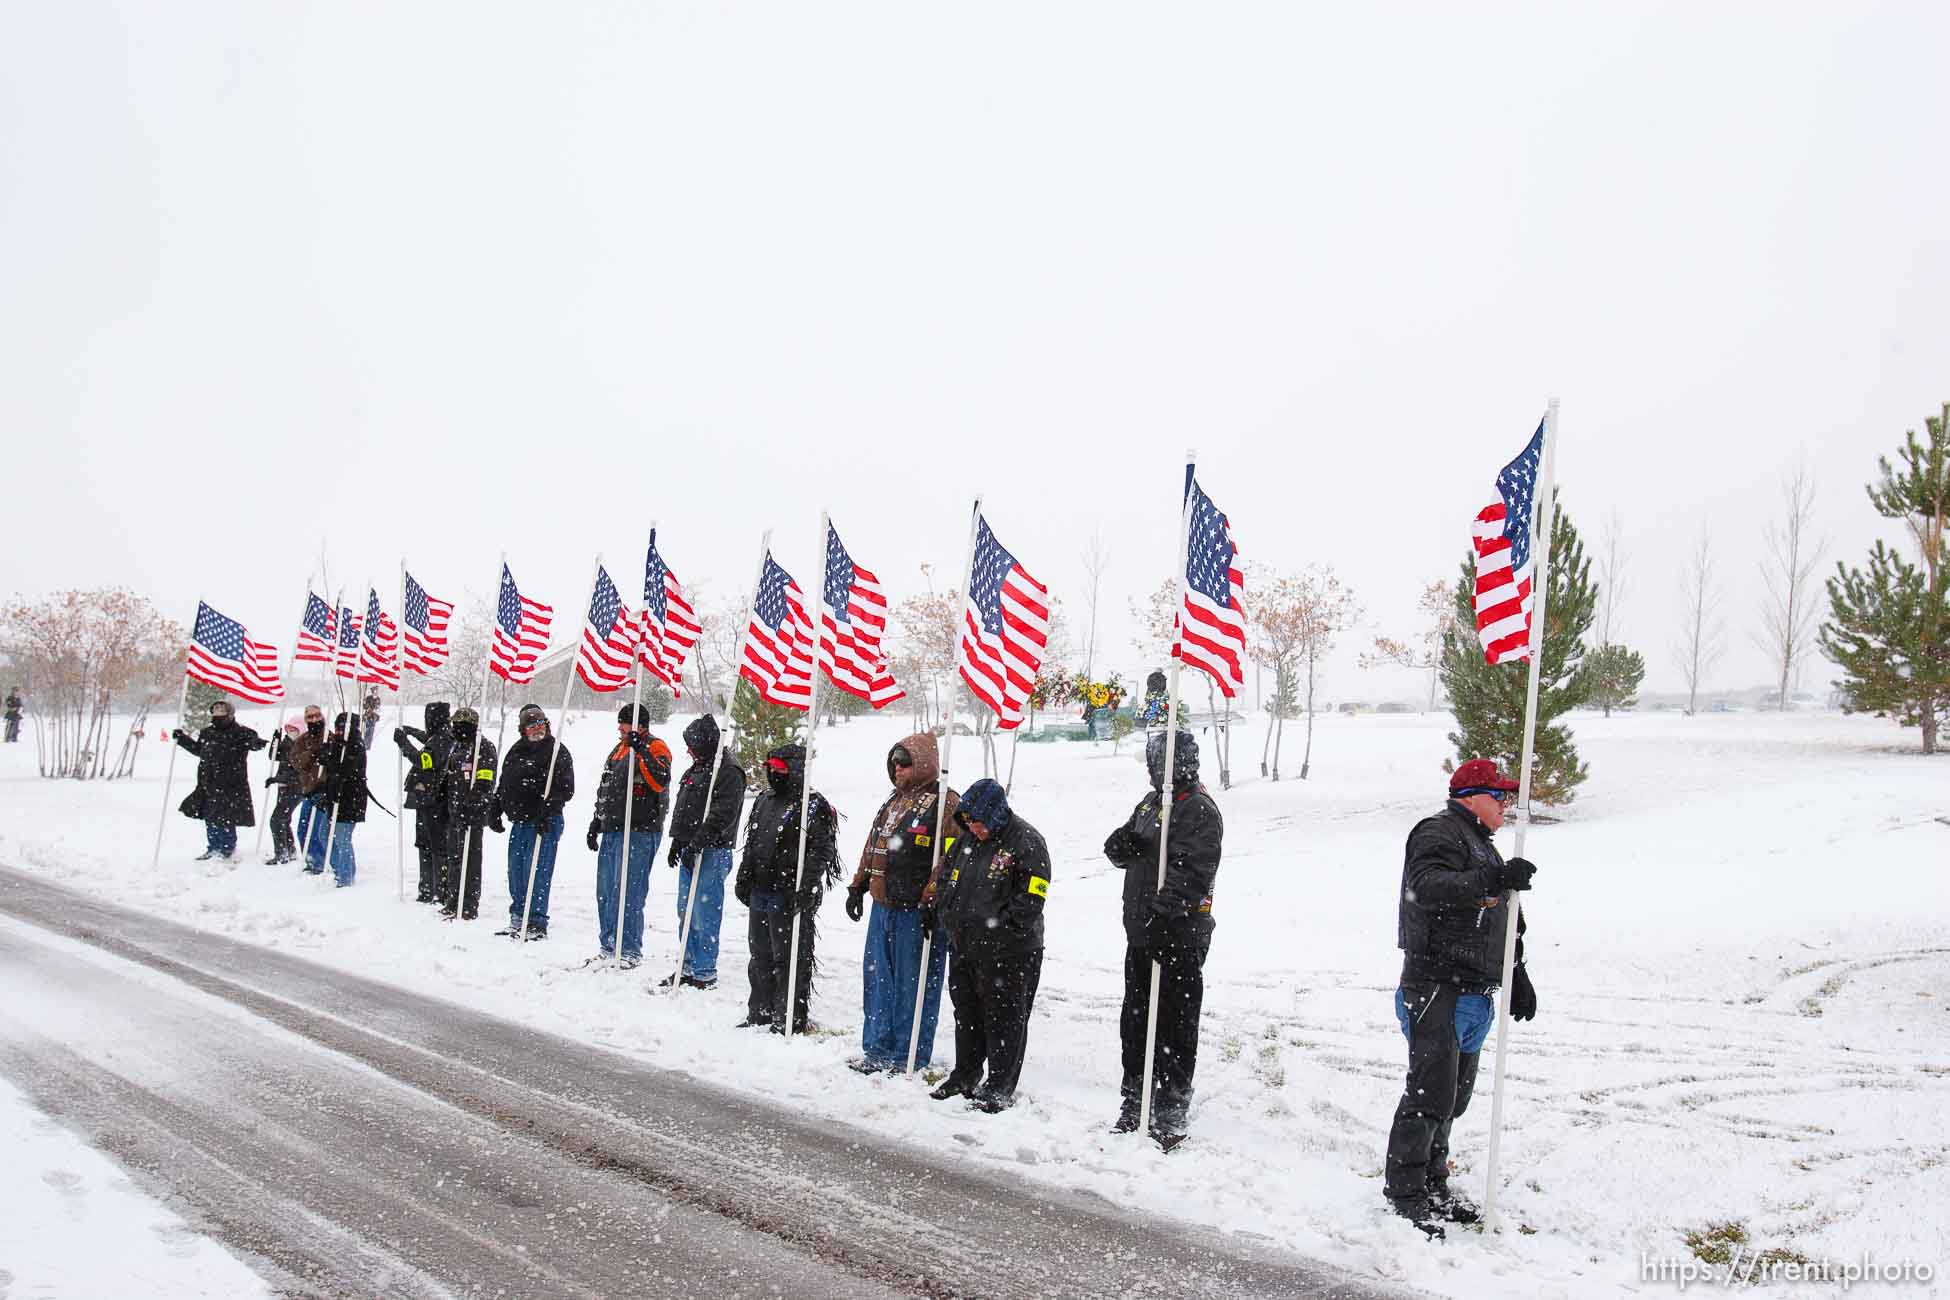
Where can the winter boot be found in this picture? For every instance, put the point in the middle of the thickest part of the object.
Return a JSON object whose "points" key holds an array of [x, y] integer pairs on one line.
{"points": [[205, 856], [693, 982], [990, 1103], [1451, 1205], [1127, 1116], [753, 1022], [952, 1086], [1418, 1211]]}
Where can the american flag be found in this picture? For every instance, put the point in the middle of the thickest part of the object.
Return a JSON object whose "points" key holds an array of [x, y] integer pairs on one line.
{"points": [[520, 632], [1005, 626], [852, 618], [379, 647], [1503, 537], [608, 638], [779, 640], [426, 628], [1212, 625], [670, 626], [223, 657], [316, 632], [350, 625]]}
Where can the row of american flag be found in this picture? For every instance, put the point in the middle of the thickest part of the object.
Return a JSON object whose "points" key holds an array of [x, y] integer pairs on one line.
{"points": [[1004, 627]]}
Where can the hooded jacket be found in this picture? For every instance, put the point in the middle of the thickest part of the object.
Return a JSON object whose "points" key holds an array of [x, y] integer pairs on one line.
{"points": [[771, 858], [691, 826], [426, 751], [344, 762], [897, 861], [223, 784], [996, 887], [1443, 926], [524, 773], [463, 789], [1180, 914], [646, 759]]}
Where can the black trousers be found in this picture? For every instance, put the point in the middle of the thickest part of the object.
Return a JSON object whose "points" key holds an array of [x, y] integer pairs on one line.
{"points": [[459, 840], [770, 935], [427, 837], [283, 843], [994, 992], [1181, 995], [1441, 1077]]}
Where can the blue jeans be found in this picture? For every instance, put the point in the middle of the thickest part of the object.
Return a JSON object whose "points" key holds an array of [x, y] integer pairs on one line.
{"points": [[344, 865], [521, 847], [890, 975], [220, 838], [701, 953], [1475, 1013], [609, 863], [314, 823]]}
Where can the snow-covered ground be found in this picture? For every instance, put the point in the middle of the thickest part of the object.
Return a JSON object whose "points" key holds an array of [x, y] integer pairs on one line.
{"points": [[72, 1225], [1740, 942]]}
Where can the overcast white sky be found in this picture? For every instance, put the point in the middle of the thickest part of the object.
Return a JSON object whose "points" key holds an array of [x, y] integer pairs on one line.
{"points": [[436, 279]]}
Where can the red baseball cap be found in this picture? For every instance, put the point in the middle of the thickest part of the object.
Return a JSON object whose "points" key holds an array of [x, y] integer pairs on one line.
{"points": [[1479, 774]]}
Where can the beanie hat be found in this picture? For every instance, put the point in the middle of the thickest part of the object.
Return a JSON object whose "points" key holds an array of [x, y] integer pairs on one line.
{"points": [[531, 713], [634, 714], [466, 715]]}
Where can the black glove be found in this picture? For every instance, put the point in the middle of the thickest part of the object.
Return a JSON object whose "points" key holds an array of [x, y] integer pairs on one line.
{"points": [[1516, 874], [1523, 998], [495, 823], [399, 735], [593, 836], [856, 905], [179, 735], [930, 918], [676, 851], [1122, 845], [742, 891]]}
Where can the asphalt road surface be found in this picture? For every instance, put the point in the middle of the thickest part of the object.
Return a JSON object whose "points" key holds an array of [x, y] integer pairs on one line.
{"points": [[351, 1138]]}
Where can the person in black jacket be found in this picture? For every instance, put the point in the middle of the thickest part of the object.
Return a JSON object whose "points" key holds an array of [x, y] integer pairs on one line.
{"points": [[14, 712], [771, 884], [284, 845], [426, 752], [1172, 927], [993, 916], [532, 801], [222, 798], [1450, 927], [464, 795], [635, 788], [700, 843], [344, 761]]}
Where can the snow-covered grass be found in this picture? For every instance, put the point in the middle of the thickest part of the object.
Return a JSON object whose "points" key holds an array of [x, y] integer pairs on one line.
{"points": [[72, 1224], [1740, 942]]}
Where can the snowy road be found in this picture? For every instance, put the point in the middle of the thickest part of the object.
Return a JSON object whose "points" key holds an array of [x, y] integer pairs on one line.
{"points": [[350, 1138]]}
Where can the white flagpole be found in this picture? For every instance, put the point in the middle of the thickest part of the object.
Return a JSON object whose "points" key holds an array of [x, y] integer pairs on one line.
{"points": [[399, 720], [630, 760], [941, 797], [1165, 789], [311, 825], [1544, 516], [474, 763], [277, 727], [717, 757], [805, 789], [554, 750], [169, 778]]}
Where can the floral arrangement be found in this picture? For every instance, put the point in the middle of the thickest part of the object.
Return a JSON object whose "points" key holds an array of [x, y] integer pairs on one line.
{"points": [[1097, 695]]}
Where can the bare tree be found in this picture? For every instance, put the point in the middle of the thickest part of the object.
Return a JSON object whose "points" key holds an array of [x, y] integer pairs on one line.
{"points": [[1095, 561], [926, 630], [1297, 619], [1788, 607], [1702, 634], [460, 679], [1437, 606], [79, 651], [1612, 557]]}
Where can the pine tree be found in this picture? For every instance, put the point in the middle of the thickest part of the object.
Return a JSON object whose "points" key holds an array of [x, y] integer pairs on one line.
{"points": [[1616, 673], [1488, 699], [1887, 626], [762, 727], [196, 711]]}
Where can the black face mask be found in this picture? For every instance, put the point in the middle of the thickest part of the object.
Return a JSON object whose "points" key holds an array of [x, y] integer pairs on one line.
{"points": [[463, 732], [316, 728]]}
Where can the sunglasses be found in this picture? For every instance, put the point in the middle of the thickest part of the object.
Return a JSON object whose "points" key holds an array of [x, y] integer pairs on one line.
{"points": [[1501, 796]]}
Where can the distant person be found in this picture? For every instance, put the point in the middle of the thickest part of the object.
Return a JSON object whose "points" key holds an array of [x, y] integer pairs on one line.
{"points": [[222, 798], [897, 868], [344, 761], [534, 818], [993, 916], [1450, 926], [1171, 926], [15, 711], [634, 788], [369, 717], [701, 840], [312, 816], [284, 847], [464, 793], [427, 751], [771, 884], [1157, 701]]}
